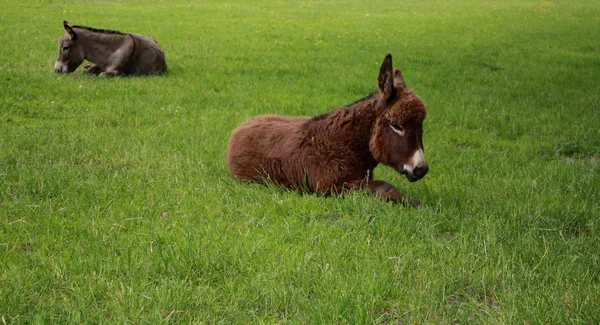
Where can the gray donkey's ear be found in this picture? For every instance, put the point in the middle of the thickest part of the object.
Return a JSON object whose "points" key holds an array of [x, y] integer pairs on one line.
{"points": [[69, 30], [386, 77]]}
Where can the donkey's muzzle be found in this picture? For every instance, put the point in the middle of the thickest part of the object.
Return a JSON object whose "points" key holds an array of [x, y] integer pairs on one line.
{"points": [[59, 70], [60, 67], [415, 174], [420, 172]]}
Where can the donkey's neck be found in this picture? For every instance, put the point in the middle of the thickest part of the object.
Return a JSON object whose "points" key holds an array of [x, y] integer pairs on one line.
{"points": [[98, 46], [358, 116], [349, 126]]}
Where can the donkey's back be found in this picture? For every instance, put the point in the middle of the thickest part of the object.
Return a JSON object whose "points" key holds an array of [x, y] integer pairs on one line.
{"points": [[271, 142]]}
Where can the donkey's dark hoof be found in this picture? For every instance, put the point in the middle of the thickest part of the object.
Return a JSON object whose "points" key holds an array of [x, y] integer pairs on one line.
{"points": [[412, 202]]}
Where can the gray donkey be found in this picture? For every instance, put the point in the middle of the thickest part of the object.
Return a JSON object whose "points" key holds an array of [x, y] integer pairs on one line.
{"points": [[111, 53]]}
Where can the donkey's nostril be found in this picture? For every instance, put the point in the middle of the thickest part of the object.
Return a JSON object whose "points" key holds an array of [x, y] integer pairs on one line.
{"points": [[420, 171]]}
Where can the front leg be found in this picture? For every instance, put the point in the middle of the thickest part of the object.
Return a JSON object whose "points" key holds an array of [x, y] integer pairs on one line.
{"points": [[110, 73], [92, 69], [383, 190]]}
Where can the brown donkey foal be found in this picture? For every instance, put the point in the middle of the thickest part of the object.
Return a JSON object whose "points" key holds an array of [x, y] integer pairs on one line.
{"points": [[337, 150], [111, 53]]}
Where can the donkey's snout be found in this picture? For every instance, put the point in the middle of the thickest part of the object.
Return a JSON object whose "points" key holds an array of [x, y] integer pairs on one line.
{"points": [[59, 67], [417, 168], [420, 172]]}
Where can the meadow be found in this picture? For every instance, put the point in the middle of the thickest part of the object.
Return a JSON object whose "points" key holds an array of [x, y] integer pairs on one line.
{"points": [[117, 205]]}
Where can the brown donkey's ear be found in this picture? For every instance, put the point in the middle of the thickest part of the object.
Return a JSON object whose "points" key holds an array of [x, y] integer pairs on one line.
{"points": [[385, 79], [69, 30], [399, 80]]}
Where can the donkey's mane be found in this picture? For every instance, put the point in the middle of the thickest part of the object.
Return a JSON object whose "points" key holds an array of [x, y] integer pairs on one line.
{"points": [[369, 96], [327, 114], [97, 30]]}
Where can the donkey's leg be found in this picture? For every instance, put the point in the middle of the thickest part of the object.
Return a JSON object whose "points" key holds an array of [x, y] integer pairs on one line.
{"points": [[92, 69], [383, 190], [110, 73]]}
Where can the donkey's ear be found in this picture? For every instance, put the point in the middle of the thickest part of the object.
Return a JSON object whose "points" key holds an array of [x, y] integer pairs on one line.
{"points": [[399, 80], [385, 79], [69, 30]]}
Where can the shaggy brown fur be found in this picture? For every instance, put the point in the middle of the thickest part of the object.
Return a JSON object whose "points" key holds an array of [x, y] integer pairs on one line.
{"points": [[111, 52], [337, 150]]}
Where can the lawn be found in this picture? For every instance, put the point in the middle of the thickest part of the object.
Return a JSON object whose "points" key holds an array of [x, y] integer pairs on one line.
{"points": [[117, 205]]}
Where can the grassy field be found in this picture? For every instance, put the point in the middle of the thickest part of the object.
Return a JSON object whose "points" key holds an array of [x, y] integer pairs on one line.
{"points": [[117, 206]]}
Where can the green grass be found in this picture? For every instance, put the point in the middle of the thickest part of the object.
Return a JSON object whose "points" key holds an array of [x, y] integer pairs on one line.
{"points": [[117, 206]]}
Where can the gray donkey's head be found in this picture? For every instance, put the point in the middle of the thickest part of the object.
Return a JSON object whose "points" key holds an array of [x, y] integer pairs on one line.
{"points": [[70, 51]]}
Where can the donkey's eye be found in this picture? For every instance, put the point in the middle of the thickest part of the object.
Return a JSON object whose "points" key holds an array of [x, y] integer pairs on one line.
{"points": [[65, 48], [397, 128]]}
